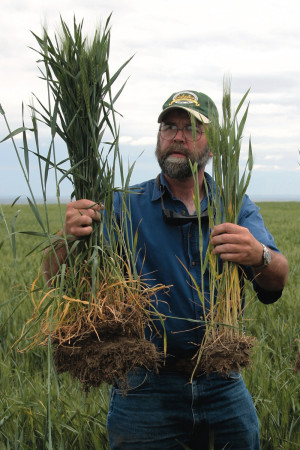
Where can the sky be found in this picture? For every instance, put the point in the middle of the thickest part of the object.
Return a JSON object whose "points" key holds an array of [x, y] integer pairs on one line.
{"points": [[175, 46]]}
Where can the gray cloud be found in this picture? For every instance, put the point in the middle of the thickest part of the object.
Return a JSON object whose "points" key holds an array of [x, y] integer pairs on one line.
{"points": [[176, 46]]}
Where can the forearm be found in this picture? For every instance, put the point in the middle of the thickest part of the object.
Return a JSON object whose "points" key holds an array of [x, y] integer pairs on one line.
{"points": [[274, 276], [54, 256]]}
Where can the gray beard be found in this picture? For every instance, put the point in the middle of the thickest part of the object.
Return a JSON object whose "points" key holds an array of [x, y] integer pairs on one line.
{"points": [[180, 168]]}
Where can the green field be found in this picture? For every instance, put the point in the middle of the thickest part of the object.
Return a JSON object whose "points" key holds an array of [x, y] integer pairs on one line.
{"points": [[39, 410]]}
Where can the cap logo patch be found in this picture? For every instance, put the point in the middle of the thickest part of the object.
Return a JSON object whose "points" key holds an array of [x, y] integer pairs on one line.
{"points": [[185, 97]]}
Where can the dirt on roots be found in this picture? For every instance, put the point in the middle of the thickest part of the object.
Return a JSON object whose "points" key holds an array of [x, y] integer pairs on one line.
{"points": [[93, 360], [226, 354]]}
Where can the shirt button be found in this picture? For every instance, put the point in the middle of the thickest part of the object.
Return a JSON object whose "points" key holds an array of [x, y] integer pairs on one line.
{"points": [[183, 212], [193, 263]]}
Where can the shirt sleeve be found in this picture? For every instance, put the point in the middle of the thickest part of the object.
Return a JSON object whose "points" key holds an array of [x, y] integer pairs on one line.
{"points": [[251, 218]]}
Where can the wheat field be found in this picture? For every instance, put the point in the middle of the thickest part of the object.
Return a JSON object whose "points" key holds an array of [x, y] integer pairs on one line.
{"points": [[39, 409]]}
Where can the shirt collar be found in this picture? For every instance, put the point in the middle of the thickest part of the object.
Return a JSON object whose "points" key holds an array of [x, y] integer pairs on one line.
{"points": [[160, 181], [160, 186]]}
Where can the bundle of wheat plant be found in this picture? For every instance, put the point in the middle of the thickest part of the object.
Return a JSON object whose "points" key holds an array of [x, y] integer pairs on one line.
{"points": [[95, 309], [225, 347]]}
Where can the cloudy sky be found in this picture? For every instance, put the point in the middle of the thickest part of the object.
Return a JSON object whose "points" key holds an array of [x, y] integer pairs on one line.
{"points": [[176, 46]]}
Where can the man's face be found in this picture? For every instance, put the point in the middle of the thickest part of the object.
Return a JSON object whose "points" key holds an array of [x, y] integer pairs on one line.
{"points": [[174, 155]]}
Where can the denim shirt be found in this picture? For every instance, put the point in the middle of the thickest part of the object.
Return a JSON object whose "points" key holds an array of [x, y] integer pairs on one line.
{"points": [[169, 255]]}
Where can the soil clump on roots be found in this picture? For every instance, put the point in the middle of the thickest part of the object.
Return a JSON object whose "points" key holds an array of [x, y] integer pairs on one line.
{"points": [[225, 354], [102, 356]]}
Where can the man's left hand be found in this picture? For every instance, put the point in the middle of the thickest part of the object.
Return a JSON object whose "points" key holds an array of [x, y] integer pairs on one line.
{"points": [[235, 243]]}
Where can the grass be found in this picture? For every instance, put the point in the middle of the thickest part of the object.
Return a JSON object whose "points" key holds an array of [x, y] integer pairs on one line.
{"points": [[28, 401], [272, 380]]}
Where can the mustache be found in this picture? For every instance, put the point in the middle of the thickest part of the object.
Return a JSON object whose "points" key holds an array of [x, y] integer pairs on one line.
{"points": [[178, 148]]}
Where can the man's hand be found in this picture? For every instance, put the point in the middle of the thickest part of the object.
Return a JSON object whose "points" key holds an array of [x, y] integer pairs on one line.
{"points": [[79, 217], [78, 223], [235, 243]]}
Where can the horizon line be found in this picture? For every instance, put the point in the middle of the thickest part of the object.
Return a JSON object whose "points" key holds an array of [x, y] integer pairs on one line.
{"points": [[64, 199]]}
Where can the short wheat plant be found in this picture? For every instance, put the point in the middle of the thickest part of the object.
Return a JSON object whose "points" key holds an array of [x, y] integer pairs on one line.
{"points": [[225, 346]]}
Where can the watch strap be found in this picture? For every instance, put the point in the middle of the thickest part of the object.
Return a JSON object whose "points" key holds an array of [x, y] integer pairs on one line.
{"points": [[266, 258]]}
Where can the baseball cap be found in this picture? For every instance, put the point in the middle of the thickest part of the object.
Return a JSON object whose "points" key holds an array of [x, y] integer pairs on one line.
{"points": [[196, 103]]}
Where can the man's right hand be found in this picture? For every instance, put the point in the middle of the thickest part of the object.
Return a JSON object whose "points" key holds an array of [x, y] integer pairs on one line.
{"points": [[78, 223], [79, 217]]}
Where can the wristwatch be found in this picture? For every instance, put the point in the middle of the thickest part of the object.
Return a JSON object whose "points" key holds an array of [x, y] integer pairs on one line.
{"points": [[266, 258]]}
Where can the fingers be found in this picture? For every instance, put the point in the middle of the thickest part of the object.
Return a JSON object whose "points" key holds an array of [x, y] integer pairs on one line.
{"points": [[235, 243], [86, 207], [80, 216], [230, 228], [229, 233], [85, 204]]}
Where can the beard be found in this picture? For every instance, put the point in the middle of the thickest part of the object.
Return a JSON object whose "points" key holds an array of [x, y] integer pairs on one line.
{"points": [[180, 168]]}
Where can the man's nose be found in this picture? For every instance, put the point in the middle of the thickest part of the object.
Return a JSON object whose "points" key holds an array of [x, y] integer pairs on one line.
{"points": [[179, 136]]}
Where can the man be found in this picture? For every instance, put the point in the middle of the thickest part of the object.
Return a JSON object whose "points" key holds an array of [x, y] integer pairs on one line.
{"points": [[166, 410]]}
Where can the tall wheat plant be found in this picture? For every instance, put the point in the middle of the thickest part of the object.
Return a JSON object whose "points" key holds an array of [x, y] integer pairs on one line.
{"points": [[96, 309], [225, 346]]}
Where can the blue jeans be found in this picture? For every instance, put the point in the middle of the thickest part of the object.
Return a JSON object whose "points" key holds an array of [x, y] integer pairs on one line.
{"points": [[167, 411]]}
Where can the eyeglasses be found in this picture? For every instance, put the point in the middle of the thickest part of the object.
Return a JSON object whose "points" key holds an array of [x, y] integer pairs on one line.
{"points": [[169, 131]]}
